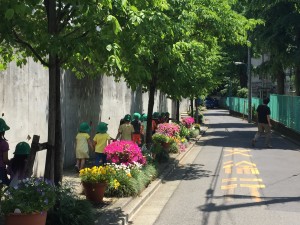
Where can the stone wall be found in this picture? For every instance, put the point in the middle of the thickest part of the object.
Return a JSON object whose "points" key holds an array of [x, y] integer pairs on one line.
{"points": [[24, 105]]}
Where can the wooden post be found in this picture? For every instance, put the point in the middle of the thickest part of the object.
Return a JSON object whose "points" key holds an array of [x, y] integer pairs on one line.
{"points": [[35, 147]]}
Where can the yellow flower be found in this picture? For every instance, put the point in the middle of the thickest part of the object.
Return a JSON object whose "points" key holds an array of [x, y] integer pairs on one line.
{"points": [[129, 174], [116, 184]]}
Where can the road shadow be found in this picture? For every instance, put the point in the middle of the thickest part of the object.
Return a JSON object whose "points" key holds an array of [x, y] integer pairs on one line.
{"points": [[188, 172], [212, 207]]}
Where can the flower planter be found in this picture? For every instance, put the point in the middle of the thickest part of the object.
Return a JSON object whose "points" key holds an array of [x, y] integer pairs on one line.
{"points": [[94, 192], [195, 133], [26, 219], [165, 145]]}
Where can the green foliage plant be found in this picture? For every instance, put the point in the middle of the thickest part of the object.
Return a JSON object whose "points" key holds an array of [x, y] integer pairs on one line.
{"points": [[160, 138], [184, 131], [174, 148], [132, 179], [71, 210], [242, 93]]}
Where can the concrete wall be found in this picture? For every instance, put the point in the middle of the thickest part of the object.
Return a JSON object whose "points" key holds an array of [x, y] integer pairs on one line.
{"points": [[24, 102]]}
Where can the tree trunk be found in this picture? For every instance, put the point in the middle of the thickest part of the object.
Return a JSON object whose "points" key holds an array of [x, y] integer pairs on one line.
{"points": [[177, 110], [49, 168], [280, 77], [59, 151], [297, 80], [55, 155], [150, 111], [192, 107], [243, 78]]}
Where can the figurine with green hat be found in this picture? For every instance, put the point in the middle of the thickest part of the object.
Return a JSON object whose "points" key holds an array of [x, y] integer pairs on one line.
{"points": [[126, 129], [144, 126], [18, 163], [4, 147], [101, 140], [137, 126], [82, 144]]}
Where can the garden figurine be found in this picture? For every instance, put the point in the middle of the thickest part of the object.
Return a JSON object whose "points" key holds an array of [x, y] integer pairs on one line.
{"points": [[82, 144], [4, 147], [154, 121], [137, 126], [101, 139], [161, 118], [126, 129], [144, 127], [167, 117], [17, 164]]}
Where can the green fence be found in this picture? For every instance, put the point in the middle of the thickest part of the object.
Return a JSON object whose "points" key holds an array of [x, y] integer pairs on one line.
{"points": [[239, 104], [284, 109]]}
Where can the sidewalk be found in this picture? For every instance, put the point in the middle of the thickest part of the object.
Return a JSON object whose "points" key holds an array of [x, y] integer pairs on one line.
{"points": [[119, 210]]}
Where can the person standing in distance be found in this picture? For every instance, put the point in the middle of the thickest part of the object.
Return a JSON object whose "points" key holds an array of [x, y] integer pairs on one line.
{"points": [[264, 123]]}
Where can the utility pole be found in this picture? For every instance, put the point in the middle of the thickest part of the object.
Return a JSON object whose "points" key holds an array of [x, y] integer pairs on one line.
{"points": [[249, 86]]}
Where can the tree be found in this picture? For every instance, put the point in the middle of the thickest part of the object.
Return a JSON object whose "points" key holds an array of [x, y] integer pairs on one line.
{"points": [[279, 37], [176, 45], [74, 35]]}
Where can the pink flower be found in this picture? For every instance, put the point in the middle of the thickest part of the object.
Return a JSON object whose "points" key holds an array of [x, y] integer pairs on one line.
{"points": [[168, 129], [124, 152], [188, 121]]}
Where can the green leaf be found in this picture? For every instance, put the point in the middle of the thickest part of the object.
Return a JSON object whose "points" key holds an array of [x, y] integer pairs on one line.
{"points": [[109, 48], [133, 8], [116, 25], [20, 9], [9, 14]]}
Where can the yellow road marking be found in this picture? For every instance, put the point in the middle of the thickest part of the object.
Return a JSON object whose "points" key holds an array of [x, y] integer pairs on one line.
{"points": [[245, 162], [247, 170], [229, 180], [230, 186], [253, 185], [256, 195], [251, 179]]}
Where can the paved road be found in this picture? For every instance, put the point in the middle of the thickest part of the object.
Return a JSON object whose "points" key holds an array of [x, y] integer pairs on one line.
{"points": [[223, 180]]}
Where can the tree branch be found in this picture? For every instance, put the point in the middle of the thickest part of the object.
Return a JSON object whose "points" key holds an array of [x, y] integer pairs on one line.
{"points": [[19, 40]]}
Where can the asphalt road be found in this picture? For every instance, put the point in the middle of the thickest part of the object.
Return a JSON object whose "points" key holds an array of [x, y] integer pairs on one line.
{"points": [[223, 180]]}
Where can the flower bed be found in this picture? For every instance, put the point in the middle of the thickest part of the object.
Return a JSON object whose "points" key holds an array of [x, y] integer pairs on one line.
{"points": [[168, 129], [188, 121], [124, 152]]}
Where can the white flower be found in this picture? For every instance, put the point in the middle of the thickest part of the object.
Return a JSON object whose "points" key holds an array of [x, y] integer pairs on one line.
{"points": [[17, 211]]}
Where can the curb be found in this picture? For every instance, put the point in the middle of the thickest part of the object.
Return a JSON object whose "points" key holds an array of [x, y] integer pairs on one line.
{"points": [[124, 208]]}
